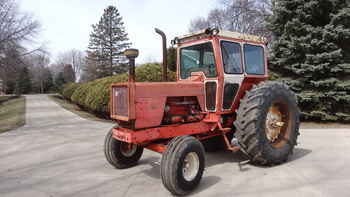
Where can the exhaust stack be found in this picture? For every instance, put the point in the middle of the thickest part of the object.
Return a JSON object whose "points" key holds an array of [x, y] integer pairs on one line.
{"points": [[165, 56]]}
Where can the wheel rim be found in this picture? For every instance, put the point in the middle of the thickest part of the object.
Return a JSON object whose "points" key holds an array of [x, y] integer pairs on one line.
{"points": [[190, 166], [277, 124], [128, 149]]}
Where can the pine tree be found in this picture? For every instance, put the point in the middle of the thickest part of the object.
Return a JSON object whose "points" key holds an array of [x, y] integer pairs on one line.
{"points": [[23, 83], [108, 40], [68, 73], [48, 82], [59, 80], [172, 59], [90, 71], [311, 53]]}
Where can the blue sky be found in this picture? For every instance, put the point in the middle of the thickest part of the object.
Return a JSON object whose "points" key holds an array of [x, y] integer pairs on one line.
{"points": [[66, 24]]}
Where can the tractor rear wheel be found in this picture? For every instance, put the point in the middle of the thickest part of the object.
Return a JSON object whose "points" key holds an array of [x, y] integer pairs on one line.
{"points": [[121, 154], [182, 165], [267, 125]]}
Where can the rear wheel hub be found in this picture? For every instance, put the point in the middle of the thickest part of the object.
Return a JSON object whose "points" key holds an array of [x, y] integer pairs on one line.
{"points": [[274, 123]]}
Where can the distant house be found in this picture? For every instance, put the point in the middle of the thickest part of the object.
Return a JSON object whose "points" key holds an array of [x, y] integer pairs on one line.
{"points": [[2, 88]]}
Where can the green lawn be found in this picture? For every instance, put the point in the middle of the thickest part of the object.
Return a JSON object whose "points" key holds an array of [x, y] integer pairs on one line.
{"points": [[76, 109], [12, 112]]}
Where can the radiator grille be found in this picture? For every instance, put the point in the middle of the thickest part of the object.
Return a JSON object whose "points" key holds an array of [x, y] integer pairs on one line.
{"points": [[121, 101], [210, 90]]}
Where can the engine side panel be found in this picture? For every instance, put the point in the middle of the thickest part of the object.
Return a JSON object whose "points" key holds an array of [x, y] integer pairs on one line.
{"points": [[150, 99], [149, 111]]}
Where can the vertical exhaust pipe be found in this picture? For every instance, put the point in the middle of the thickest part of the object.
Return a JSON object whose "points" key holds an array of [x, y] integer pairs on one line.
{"points": [[165, 56]]}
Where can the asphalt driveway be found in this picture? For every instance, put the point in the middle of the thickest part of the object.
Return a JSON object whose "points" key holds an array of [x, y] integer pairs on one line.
{"points": [[60, 154]]}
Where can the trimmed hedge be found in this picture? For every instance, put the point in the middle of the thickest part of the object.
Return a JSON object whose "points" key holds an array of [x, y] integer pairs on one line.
{"points": [[69, 89], [94, 96]]}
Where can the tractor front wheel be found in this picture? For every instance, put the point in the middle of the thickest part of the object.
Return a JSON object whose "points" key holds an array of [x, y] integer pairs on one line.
{"points": [[121, 154], [182, 165], [267, 124]]}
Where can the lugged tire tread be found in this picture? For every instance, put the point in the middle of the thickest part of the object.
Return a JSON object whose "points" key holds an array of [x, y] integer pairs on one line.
{"points": [[249, 116]]}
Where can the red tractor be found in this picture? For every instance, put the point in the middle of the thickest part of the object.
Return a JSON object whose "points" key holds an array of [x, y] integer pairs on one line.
{"points": [[221, 97]]}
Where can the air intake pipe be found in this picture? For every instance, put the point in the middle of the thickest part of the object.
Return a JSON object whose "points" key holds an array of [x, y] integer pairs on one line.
{"points": [[131, 54]]}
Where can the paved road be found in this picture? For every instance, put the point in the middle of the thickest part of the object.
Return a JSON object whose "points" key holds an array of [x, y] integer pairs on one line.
{"points": [[60, 154]]}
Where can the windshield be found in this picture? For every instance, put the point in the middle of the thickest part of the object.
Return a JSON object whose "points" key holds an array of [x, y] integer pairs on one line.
{"points": [[198, 58]]}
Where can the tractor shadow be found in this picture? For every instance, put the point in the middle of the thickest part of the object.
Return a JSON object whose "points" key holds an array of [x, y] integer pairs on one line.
{"points": [[154, 163], [224, 156], [220, 157], [242, 160], [214, 159], [299, 153], [154, 172]]}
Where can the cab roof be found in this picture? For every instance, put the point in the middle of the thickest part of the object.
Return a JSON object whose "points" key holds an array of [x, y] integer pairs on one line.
{"points": [[229, 34]]}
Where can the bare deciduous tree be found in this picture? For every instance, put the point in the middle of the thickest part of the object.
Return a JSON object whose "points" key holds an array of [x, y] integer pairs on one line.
{"points": [[15, 27], [245, 16], [198, 24], [74, 57], [39, 68]]}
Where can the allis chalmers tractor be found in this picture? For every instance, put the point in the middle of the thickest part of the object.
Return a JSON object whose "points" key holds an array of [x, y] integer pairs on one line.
{"points": [[221, 97]]}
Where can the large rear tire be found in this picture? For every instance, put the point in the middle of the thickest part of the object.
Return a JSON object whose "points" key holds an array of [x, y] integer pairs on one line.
{"points": [[121, 154], [267, 125], [182, 165]]}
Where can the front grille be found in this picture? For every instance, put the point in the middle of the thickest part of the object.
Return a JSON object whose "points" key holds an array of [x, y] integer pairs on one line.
{"points": [[121, 101], [210, 95]]}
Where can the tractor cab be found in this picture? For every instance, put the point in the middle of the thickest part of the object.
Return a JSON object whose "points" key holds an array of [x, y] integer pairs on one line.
{"points": [[225, 61]]}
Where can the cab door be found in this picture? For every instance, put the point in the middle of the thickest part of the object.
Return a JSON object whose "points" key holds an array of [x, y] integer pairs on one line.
{"points": [[231, 53]]}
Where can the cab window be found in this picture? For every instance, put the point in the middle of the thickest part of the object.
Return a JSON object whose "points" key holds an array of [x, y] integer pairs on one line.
{"points": [[197, 58], [254, 59], [231, 57]]}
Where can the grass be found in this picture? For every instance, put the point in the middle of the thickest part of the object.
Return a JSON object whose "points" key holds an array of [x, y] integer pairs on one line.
{"points": [[76, 109], [12, 113], [5, 98]]}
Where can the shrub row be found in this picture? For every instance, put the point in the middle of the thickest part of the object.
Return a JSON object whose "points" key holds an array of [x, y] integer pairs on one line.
{"points": [[94, 96], [69, 89]]}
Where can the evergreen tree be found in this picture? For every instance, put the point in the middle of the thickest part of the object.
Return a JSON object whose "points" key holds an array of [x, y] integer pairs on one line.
{"points": [[172, 59], [48, 81], [107, 41], [23, 83], [311, 53], [90, 71], [68, 73], [59, 80]]}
